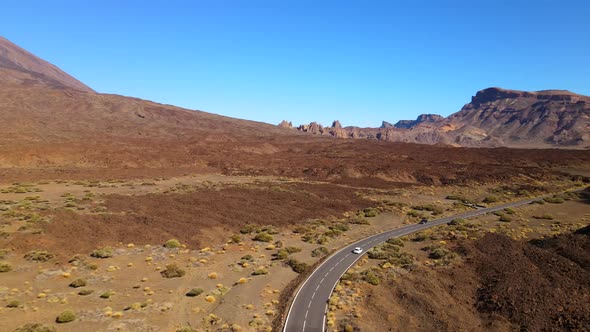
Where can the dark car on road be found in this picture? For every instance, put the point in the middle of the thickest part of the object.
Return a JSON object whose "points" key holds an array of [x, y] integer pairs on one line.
{"points": [[423, 221]]}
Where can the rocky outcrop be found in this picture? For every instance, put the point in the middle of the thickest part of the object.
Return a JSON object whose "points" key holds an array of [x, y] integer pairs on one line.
{"points": [[386, 124], [286, 124], [494, 117], [423, 118]]}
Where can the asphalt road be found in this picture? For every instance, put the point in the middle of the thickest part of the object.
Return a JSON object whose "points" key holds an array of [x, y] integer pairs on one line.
{"points": [[308, 310]]}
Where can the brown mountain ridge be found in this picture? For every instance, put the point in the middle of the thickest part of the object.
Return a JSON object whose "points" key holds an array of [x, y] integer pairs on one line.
{"points": [[50, 127], [495, 117], [17, 66]]}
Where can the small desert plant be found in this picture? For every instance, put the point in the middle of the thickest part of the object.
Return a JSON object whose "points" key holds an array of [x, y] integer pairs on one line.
{"points": [[247, 257], [85, 292], [457, 221], [554, 200], [359, 220], [5, 267], [280, 255], [65, 317], [509, 211], [396, 242], [173, 271], [320, 251], [490, 199], [428, 207], [39, 255], [438, 253], [34, 327], [260, 271], [236, 238], [414, 213], [419, 237], [370, 212], [13, 304], [296, 265], [372, 278], [545, 216], [105, 252], [194, 292], [78, 283], [107, 294], [505, 218], [172, 243], [402, 259], [292, 250], [263, 237], [248, 229]]}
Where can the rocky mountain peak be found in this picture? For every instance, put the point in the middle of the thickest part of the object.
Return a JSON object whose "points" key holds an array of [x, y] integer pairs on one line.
{"points": [[336, 124], [386, 124]]}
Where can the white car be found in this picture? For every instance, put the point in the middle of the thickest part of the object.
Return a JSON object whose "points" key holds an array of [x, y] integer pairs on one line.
{"points": [[358, 250]]}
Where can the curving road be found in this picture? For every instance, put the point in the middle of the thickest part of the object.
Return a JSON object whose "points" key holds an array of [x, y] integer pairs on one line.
{"points": [[308, 310]]}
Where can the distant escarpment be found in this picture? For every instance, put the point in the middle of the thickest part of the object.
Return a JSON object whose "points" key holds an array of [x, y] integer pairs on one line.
{"points": [[495, 117]]}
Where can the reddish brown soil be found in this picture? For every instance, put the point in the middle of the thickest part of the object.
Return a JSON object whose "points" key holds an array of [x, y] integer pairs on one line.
{"points": [[64, 134], [196, 218], [503, 285], [541, 286]]}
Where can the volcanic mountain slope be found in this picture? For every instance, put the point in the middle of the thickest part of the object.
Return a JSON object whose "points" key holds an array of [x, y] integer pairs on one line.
{"points": [[17, 66], [49, 119], [48, 131], [494, 117]]}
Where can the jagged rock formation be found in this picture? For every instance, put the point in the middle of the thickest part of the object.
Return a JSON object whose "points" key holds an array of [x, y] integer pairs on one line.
{"points": [[494, 117], [386, 124], [286, 124]]}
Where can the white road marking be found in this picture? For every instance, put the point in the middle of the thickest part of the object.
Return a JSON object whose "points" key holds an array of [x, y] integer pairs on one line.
{"points": [[395, 233]]}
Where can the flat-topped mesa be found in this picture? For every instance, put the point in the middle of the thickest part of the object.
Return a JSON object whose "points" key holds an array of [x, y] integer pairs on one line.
{"points": [[422, 118], [493, 94]]}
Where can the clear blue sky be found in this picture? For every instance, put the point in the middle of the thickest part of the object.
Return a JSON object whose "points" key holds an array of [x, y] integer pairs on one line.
{"points": [[303, 60]]}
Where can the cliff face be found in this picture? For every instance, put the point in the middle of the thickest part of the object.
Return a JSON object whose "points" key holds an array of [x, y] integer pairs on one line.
{"points": [[423, 118], [514, 118], [494, 117]]}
